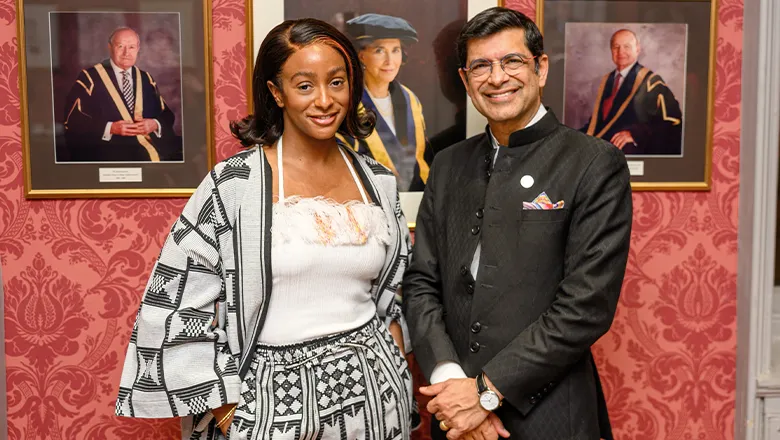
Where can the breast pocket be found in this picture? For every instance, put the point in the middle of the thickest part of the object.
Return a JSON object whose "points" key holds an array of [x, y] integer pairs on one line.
{"points": [[542, 237]]}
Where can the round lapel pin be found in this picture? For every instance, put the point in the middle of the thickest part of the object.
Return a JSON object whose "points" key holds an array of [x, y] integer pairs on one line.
{"points": [[527, 181]]}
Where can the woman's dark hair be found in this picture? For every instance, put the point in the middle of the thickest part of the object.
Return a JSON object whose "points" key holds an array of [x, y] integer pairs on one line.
{"points": [[266, 125], [494, 20]]}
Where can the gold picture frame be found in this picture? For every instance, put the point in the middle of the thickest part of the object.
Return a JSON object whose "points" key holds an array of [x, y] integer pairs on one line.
{"points": [[691, 169], [50, 171]]}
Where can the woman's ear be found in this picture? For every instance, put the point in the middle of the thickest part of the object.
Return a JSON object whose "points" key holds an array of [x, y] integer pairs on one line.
{"points": [[277, 94], [360, 58]]}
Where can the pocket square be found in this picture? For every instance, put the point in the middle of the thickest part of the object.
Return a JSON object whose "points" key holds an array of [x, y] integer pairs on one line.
{"points": [[542, 201]]}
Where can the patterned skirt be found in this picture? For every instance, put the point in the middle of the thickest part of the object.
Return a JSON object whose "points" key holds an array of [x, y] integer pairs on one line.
{"points": [[352, 385]]}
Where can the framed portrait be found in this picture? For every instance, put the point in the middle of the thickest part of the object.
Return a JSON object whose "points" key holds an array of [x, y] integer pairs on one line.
{"points": [[115, 97], [640, 75], [420, 102]]}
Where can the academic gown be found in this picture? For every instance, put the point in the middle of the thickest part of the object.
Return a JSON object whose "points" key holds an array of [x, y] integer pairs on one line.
{"points": [[96, 99], [409, 140]]}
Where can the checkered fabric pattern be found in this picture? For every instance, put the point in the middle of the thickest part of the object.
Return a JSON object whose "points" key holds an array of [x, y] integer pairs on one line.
{"points": [[353, 386], [198, 323]]}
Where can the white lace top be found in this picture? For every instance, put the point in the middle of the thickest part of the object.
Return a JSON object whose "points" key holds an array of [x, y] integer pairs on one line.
{"points": [[325, 256]]}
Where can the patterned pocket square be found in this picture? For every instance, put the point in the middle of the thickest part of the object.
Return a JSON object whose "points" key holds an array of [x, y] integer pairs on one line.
{"points": [[543, 202]]}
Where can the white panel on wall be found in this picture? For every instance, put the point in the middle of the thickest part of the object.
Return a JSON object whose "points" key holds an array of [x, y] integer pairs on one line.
{"points": [[771, 421]]}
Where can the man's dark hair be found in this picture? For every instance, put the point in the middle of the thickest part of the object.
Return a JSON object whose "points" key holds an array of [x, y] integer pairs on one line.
{"points": [[266, 124], [497, 19]]}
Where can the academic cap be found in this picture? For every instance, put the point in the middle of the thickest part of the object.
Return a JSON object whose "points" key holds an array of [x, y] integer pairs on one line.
{"points": [[378, 26]]}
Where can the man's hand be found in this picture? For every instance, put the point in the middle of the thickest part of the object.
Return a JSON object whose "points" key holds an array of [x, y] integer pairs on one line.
{"points": [[146, 126], [490, 429], [456, 402], [622, 138], [124, 128]]}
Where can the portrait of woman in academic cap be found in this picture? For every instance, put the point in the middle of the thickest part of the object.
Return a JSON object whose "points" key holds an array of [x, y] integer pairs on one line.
{"points": [[399, 140]]}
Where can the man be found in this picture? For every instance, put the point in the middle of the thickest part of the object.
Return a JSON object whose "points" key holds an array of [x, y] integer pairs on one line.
{"points": [[520, 250], [114, 112], [634, 108]]}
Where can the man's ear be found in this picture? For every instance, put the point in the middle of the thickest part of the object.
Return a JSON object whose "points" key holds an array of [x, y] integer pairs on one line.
{"points": [[277, 94], [465, 79], [543, 67]]}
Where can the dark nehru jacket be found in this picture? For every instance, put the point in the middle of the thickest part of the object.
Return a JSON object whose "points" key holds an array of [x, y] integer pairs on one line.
{"points": [[548, 280]]}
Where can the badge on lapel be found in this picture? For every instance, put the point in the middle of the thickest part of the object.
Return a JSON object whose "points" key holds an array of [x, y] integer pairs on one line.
{"points": [[542, 201]]}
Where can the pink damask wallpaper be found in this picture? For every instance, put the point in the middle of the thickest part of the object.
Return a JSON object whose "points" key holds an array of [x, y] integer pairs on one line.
{"points": [[73, 272]]}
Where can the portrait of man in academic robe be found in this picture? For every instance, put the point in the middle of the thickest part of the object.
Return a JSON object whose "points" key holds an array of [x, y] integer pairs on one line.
{"points": [[114, 111], [634, 108]]}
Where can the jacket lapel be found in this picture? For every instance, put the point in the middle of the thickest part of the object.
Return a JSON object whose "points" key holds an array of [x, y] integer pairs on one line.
{"points": [[253, 257], [389, 140], [403, 117], [624, 92]]}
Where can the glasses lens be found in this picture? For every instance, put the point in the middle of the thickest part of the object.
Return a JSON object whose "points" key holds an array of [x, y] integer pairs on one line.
{"points": [[513, 64], [480, 68]]}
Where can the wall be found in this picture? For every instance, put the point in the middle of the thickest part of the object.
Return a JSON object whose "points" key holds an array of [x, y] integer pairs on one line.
{"points": [[73, 272]]}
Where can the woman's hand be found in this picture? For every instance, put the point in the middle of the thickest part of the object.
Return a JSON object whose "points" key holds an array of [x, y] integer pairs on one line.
{"points": [[220, 413]]}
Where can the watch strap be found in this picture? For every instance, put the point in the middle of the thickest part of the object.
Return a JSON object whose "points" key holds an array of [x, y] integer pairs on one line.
{"points": [[481, 383]]}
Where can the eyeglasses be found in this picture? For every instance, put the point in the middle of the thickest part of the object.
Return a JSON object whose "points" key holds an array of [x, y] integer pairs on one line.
{"points": [[511, 64]]}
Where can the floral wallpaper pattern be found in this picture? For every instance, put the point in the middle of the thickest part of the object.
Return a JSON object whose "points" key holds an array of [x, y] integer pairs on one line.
{"points": [[73, 272]]}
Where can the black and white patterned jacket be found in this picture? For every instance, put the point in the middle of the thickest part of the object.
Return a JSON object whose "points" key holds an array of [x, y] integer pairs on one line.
{"points": [[206, 300]]}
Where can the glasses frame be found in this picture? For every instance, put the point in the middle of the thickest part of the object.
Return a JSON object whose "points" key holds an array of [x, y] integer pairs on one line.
{"points": [[526, 61]]}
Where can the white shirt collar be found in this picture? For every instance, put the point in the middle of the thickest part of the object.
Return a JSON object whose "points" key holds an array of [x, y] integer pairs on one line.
{"points": [[118, 70], [537, 117], [624, 72]]}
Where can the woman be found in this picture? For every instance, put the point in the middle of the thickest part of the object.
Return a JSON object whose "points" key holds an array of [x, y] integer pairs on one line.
{"points": [[399, 141], [271, 311]]}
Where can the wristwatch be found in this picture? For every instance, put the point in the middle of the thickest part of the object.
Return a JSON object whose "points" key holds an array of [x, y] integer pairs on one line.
{"points": [[488, 399]]}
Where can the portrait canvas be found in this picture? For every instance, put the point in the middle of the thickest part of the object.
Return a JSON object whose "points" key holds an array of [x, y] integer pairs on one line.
{"points": [[115, 97], [89, 88], [639, 75], [589, 57], [429, 103]]}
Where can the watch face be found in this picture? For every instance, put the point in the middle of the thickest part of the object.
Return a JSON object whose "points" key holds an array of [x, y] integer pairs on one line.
{"points": [[489, 400]]}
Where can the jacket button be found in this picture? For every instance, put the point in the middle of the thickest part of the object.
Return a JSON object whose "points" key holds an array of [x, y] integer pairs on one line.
{"points": [[533, 400], [474, 347], [476, 327], [475, 230], [464, 270], [480, 213], [470, 288]]}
